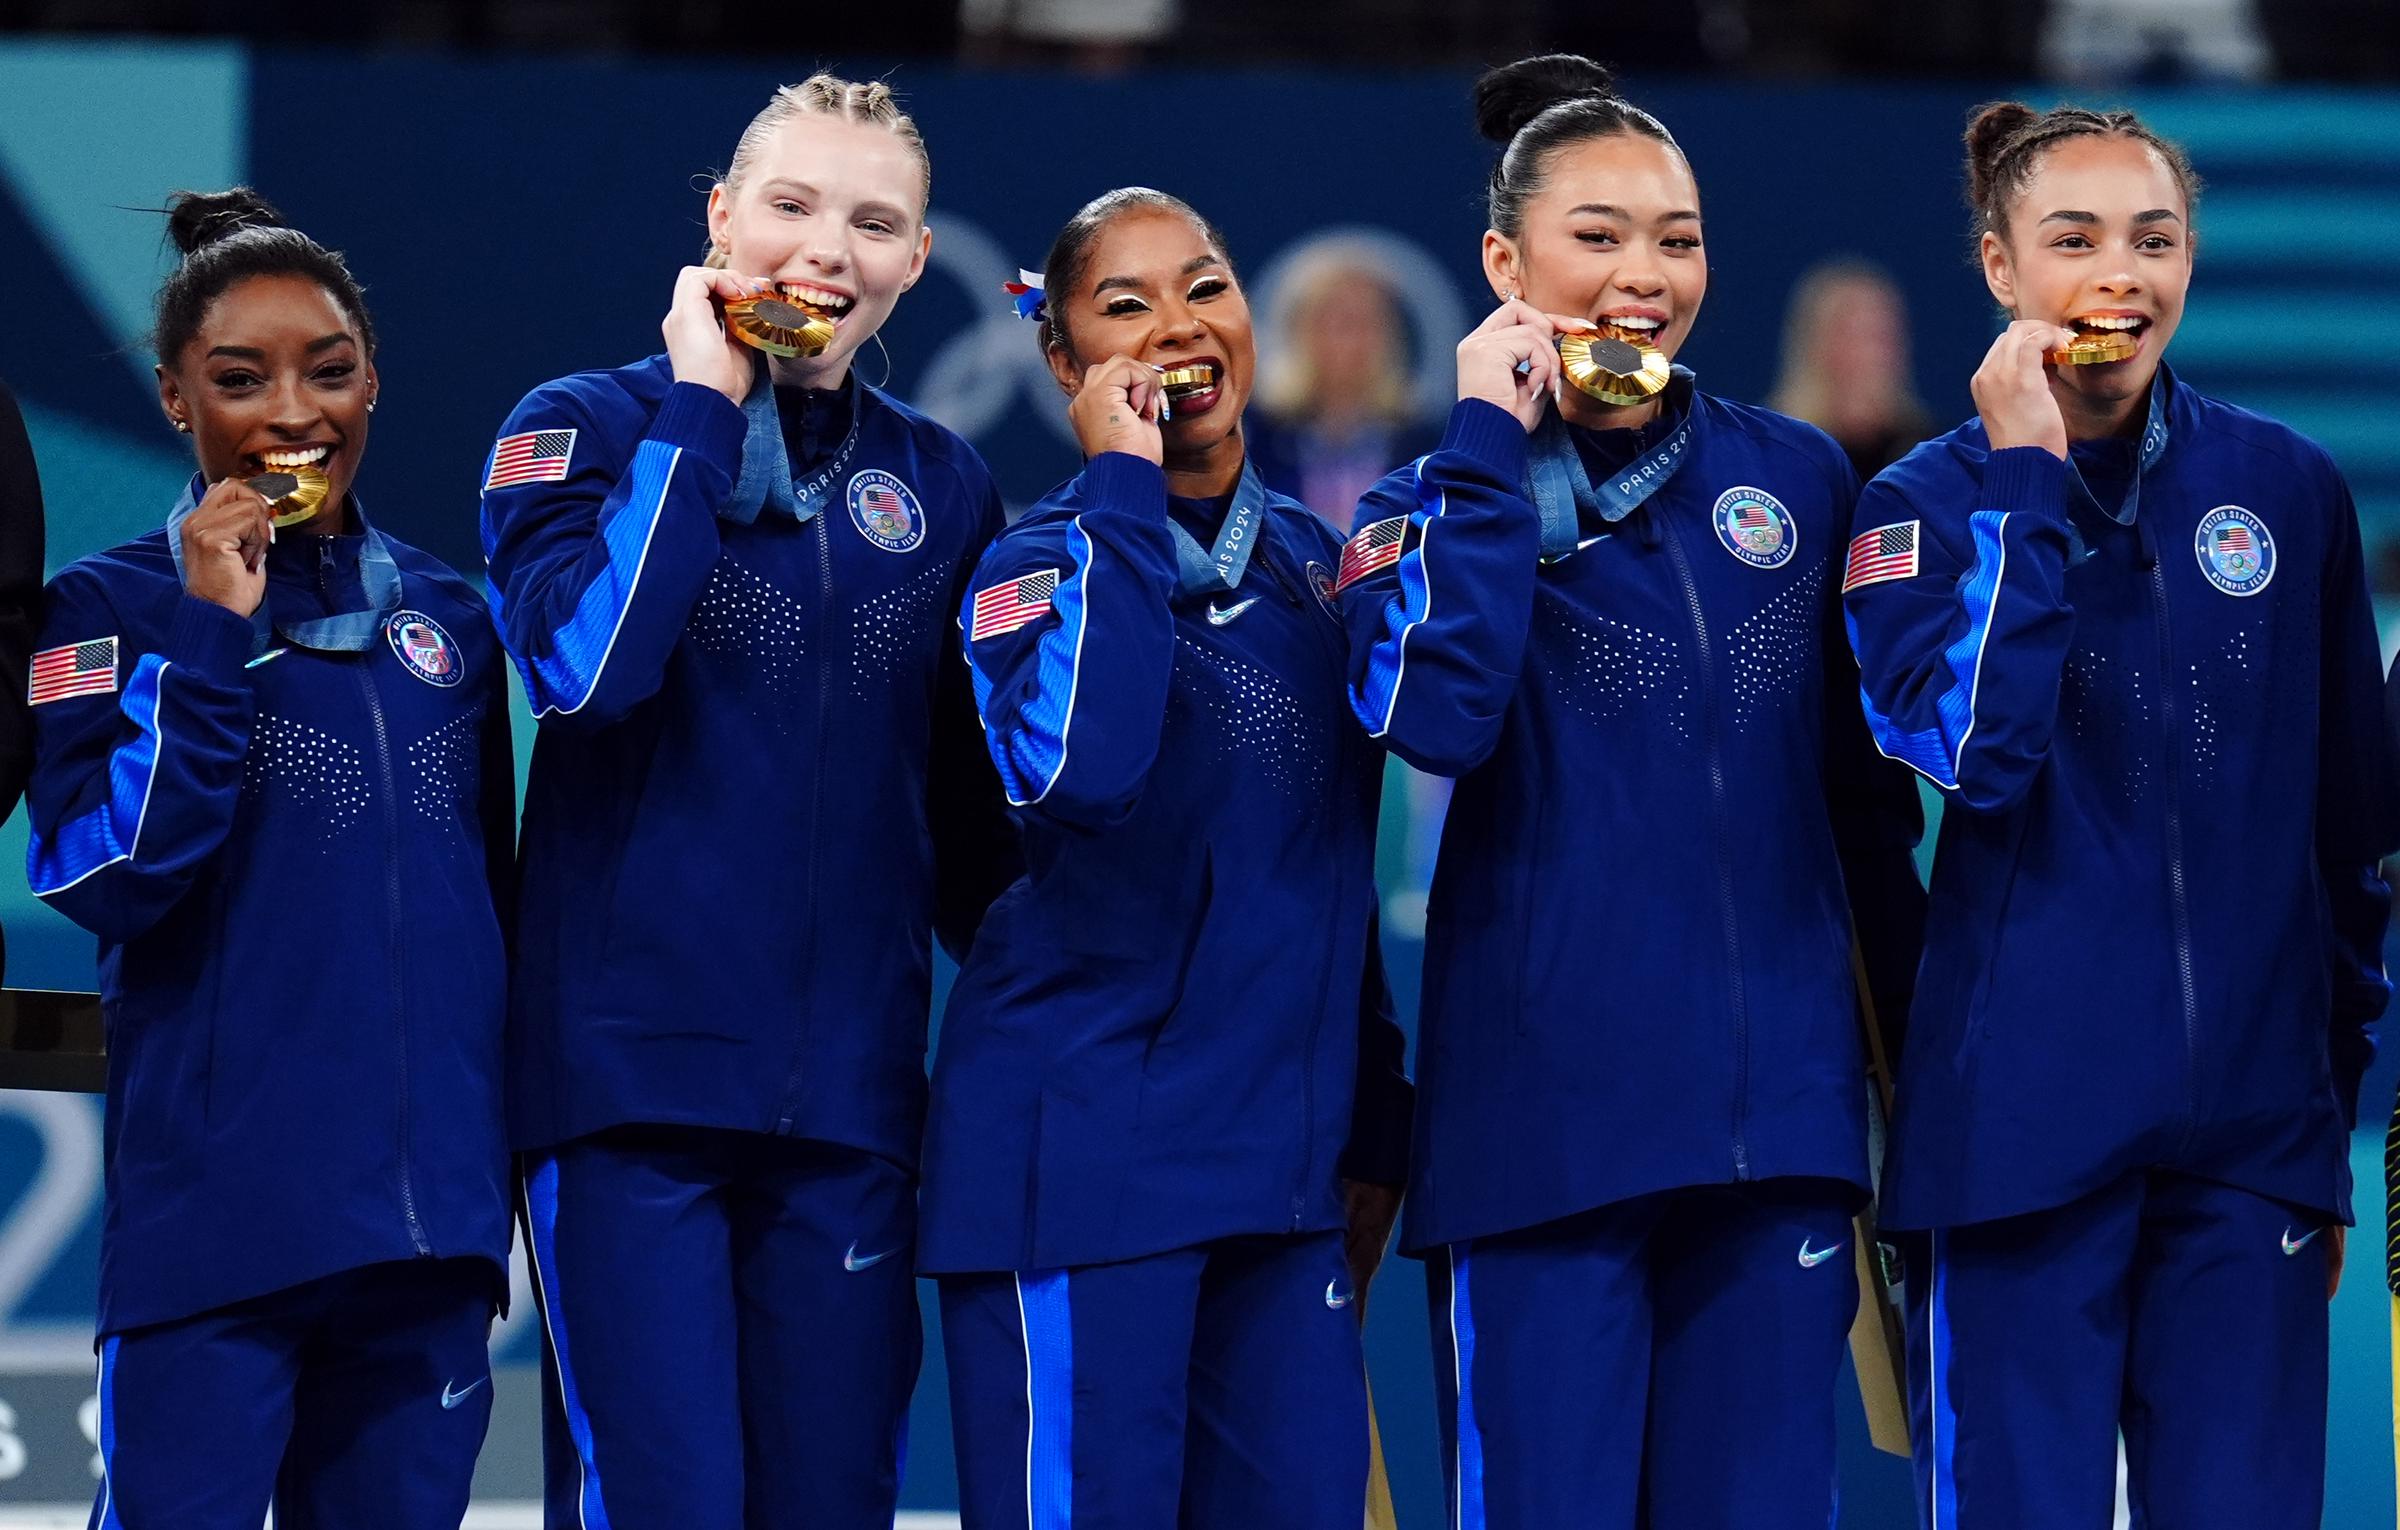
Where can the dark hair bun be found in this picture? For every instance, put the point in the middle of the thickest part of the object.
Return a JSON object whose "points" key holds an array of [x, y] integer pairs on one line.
{"points": [[197, 219], [1512, 95], [1988, 132]]}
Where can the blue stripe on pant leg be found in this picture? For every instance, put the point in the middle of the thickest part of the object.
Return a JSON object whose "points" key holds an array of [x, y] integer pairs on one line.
{"points": [[541, 1237], [1467, 1507], [1944, 1414], [1048, 1326], [104, 1515]]}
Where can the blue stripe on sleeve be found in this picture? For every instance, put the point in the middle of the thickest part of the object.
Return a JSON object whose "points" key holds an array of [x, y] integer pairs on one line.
{"points": [[541, 1236], [1048, 1324], [111, 832], [1031, 753], [1937, 752], [1403, 613], [570, 673]]}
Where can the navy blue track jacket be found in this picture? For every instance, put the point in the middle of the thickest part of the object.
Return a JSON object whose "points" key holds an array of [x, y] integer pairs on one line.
{"points": [[297, 862], [2157, 924], [1638, 967], [758, 777], [1175, 1028]]}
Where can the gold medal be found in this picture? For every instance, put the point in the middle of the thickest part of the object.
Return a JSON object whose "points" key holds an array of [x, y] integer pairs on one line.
{"points": [[1182, 382], [294, 494], [2094, 346], [779, 324], [1614, 366]]}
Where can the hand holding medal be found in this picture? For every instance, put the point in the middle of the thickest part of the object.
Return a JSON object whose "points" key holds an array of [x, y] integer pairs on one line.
{"points": [[225, 542], [700, 347], [1511, 360], [1118, 410]]}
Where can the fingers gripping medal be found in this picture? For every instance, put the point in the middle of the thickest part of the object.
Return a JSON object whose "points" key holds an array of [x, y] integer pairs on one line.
{"points": [[293, 494], [780, 324], [1615, 366]]}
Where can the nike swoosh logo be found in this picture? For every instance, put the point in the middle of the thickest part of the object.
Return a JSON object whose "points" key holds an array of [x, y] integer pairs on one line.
{"points": [[1810, 1259], [452, 1399], [1335, 1296], [1217, 618], [2289, 1247], [854, 1264]]}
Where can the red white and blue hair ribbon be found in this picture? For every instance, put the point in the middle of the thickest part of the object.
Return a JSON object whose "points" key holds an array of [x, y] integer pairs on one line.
{"points": [[1032, 301]]}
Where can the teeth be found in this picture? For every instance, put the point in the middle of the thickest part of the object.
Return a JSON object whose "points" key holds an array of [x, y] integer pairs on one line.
{"points": [[1632, 321], [833, 302], [313, 455], [2109, 321]]}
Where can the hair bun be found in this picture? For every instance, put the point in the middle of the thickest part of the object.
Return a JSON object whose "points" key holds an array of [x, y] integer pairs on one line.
{"points": [[1988, 133], [1512, 95], [197, 219]]}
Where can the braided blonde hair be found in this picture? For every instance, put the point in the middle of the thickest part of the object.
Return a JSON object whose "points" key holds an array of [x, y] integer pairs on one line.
{"points": [[824, 95]]}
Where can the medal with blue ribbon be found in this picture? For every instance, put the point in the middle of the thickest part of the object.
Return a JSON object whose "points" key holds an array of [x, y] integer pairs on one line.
{"points": [[1219, 569], [1563, 492], [342, 632]]}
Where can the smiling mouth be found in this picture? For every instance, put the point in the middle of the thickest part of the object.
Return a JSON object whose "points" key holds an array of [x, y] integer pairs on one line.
{"points": [[2101, 338], [1190, 388], [793, 321]]}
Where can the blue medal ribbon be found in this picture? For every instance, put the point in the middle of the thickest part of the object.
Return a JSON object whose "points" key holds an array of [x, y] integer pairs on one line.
{"points": [[1563, 492], [344, 631], [766, 482], [2154, 444], [1220, 568]]}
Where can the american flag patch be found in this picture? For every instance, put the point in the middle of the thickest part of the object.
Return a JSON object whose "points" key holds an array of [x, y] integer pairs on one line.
{"points": [[1376, 547], [73, 669], [2234, 537], [1011, 604], [1887, 552], [537, 456]]}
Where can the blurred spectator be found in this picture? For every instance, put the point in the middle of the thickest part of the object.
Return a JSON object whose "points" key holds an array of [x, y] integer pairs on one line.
{"points": [[1094, 35], [2152, 42], [20, 602], [1334, 409], [1846, 364]]}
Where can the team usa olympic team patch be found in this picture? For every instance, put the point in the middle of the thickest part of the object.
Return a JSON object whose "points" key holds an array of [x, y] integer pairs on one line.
{"points": [[1886, 553], [1756, 528], [1375, 547], [73, 669], [424, 647], [537, 456], [885, 512], [2237, 555]]}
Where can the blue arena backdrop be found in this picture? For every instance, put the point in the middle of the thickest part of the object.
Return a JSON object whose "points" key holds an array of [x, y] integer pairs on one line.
{"points": [[518, 217]]}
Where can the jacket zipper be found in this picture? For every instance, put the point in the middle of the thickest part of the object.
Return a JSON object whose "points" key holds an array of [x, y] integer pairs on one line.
{"points": [[816, 791], [2178, 894], [391, 872], [1724, 856]]}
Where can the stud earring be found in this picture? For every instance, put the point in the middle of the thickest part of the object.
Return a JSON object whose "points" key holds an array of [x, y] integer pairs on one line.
{"points": [[185, 426]]}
